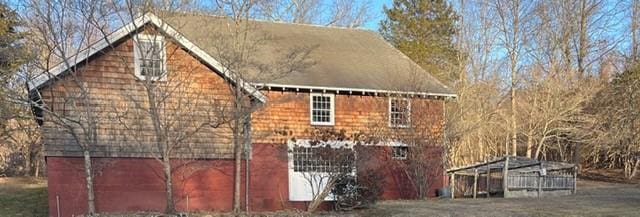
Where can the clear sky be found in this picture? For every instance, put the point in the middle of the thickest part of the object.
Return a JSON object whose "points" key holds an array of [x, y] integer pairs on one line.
{"points": [[376, 13]]}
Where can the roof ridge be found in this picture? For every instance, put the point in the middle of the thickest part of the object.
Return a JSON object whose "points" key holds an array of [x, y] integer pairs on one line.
{"points": [[204, 14]]}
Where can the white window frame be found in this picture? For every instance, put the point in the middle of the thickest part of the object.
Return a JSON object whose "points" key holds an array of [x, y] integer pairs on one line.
{"points": [[332, 114], [136, 56], [391, 124]]}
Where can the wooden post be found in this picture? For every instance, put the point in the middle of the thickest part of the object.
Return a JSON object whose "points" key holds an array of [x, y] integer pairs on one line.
{"points": [[575, 179], [452, 184], [488, 181], [505, 177], [475, 183], [540, 180]]}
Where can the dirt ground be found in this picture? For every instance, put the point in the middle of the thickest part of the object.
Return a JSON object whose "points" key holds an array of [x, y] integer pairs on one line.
{"points": [[594, 198]]}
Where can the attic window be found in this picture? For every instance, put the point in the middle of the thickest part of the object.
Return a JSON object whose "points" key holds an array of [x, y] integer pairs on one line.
{"points": [[149, 54], [399, 112], [322, 109]]}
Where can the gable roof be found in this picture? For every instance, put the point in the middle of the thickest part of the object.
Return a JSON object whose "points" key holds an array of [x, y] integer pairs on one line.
{"points": [[348, 60], [345, 59], [125, 31]]}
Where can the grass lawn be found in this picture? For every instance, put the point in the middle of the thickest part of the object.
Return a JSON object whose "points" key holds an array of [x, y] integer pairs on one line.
{"points": [[593, 199], [596, 197], [23, 197]]}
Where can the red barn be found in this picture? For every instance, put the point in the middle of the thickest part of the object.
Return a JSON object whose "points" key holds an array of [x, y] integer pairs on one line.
{"points": [[351, 81]]}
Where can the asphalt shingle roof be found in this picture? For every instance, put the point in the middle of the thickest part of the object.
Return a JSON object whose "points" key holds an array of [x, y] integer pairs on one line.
{"points": [[342, 57]]}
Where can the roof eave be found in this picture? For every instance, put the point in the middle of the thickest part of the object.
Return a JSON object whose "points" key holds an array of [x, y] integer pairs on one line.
{"points": [[354, 90]]}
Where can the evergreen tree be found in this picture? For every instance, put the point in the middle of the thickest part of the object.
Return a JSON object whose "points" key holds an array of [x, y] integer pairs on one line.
{"points": [[424, 30], [617, 119]]}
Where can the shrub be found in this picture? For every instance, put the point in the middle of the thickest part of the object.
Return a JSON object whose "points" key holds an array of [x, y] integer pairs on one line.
{"points": [[352, 193]]}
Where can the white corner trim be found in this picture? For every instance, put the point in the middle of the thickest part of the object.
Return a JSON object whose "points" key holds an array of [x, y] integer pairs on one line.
{"points": [[126, 30], [332, 114]]}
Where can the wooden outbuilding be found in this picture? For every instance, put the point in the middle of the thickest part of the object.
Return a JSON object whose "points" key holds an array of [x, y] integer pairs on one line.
{"points": [[525, 177]]}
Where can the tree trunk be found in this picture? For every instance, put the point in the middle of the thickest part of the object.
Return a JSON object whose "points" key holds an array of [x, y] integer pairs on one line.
{"points": [[315, 203], [36, 173], [635, 169], [634, 29], [529, 144], [582, 38], [166, 164], [631, 167], [27, 163], [91, 209], [513, 56], [39, 159], [237, 173], [514, 129], [238, 147]]}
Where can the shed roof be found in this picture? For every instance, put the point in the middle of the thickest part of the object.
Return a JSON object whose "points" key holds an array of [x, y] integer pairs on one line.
{"points": [[516, 163]]}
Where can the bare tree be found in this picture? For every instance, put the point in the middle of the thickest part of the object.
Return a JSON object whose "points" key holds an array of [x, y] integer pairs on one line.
{"points": [[513, 27], [21, 135], [634, 27], [61, 29], [406, 133], [172, 107], [472, 127], [234, 44], [344, 13]]}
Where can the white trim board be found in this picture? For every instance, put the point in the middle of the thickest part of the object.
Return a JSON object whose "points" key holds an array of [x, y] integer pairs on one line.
{"points": [[344, 144], [337, 90], [126, 30]]}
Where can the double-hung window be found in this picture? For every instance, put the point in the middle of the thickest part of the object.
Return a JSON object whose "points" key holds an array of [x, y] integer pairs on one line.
{"points": [[322, 109], [149, 54], [399, 112]]}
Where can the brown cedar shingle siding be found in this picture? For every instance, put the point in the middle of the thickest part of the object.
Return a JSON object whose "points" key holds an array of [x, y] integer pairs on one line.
{"points": [[112, 86], [286, 116]]}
